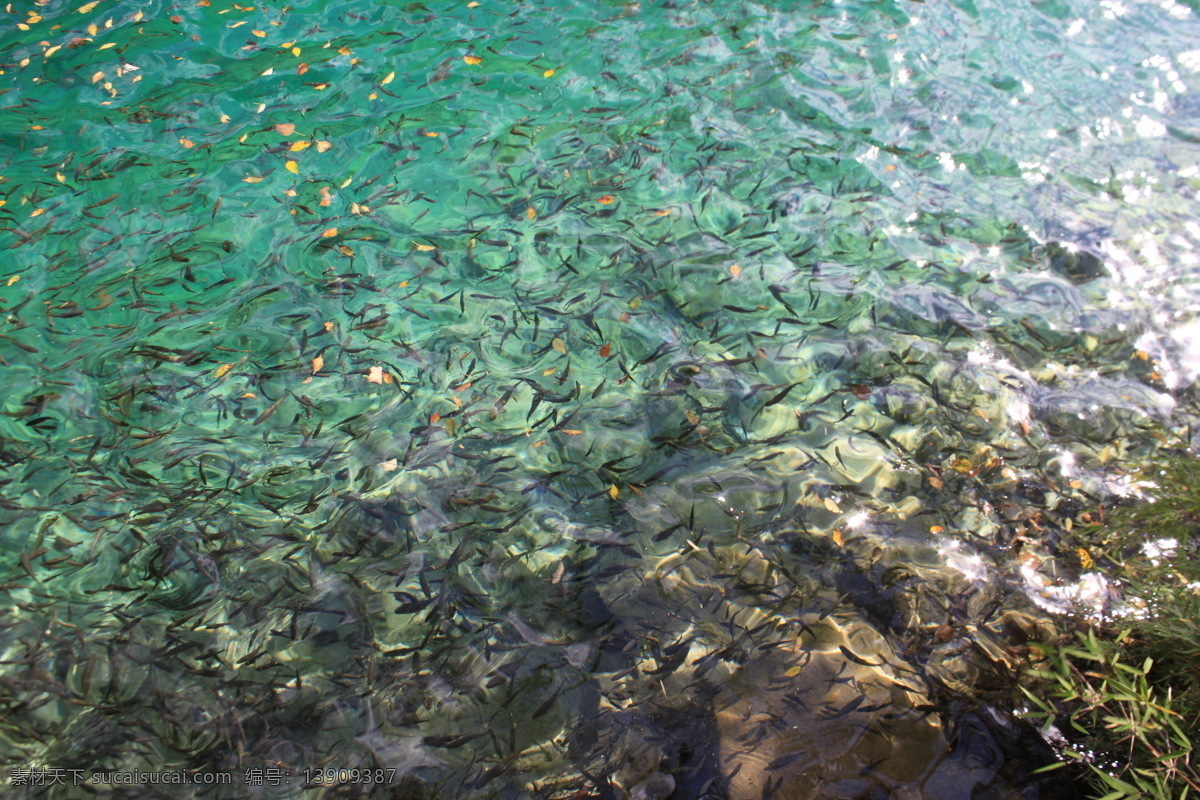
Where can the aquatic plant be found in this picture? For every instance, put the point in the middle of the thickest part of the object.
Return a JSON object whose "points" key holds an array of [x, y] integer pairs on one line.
{"points": [[1122, 695]]}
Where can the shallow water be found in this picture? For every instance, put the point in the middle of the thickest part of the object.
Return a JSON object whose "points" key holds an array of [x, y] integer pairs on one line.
{"points": [[575, 402]]}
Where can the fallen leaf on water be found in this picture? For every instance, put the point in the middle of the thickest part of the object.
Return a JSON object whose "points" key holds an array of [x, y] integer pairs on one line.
{"points": [[434, 417], [425, 248], [837, 537], [832, 506], [550, 371], [613, 491], [317, 363], [375, 375], [571, 432], [285, 129], [252, 179], [473, 59], [328, 232], [390, 465], [606, 351], [221, 370], [548, 73], [329, 326], [387, 79], [293, 167], [324, 146], [559, 345], [530, 213], [97, 77], [606, 199], [301, 145]]}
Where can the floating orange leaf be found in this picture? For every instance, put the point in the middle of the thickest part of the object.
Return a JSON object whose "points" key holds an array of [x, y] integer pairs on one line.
{"points": [[530, 213], [303, 68], [571, 432], [613, 491], [328, 232], [285, 129], [375, 375], [317, 363], [606, 351], [222, 370], [606, 199], [188, 143], [735, 270], [434, 417]]}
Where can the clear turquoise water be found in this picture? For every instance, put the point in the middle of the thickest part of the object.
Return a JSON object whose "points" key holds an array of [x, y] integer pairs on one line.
{"points": [[535, 400]]}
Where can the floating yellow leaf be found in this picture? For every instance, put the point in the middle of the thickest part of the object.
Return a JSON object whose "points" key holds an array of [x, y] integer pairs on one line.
{"points": [[259, 34], [735, 270], [473, 59], [37, 212], [323, 147], [425, 247], [317, 363], [51, 51], [550, 371], [1085, 559], [328, 232], [571, 432], [97, 76], [375, 375], [107, 45], [530, 213], [372, 96], [328, 326], [225, 119], [252, 179], [86, 8], [61, 178], [221, 370], [559, 345], [293, 167], [472, 4], [432, 134], [12, 279], [269, 71], [387, 79], [250, 395], [613, 491], [296, 52], [344, 250], [662, 212], [548, 73], [92, 29], [298, 146], [285, 129], [832, 506], [837, 537]]}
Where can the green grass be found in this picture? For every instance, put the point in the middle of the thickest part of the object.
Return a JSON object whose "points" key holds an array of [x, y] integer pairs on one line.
{"points": [[1125, 693]]}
